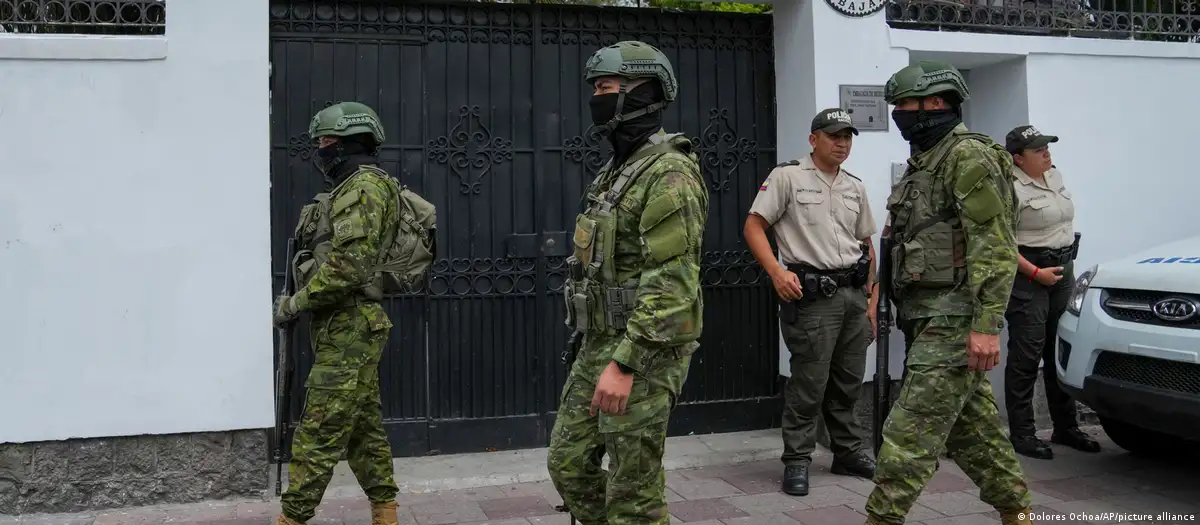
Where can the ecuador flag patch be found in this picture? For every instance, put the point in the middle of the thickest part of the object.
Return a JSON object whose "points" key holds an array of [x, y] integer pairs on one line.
{"points": [[765, 183]]}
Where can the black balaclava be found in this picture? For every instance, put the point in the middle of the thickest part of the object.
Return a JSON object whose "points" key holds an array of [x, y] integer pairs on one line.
{"points": [[635, 125], [339, 160], [924, 128]]}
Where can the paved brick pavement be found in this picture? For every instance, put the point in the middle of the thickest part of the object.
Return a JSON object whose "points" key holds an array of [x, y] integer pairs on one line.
{"points": [[1066, 488]]}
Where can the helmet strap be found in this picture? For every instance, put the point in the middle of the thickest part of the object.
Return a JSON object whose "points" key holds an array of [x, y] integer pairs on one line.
{"points": [[618, 117]]}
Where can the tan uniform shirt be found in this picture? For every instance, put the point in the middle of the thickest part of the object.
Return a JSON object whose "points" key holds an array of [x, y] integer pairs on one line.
{"points": [[1045, 211], [816, 220]]}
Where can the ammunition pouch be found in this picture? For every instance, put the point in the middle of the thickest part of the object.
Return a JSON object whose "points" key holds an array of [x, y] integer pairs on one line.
{"points": [[933, 256], [595, 308]]}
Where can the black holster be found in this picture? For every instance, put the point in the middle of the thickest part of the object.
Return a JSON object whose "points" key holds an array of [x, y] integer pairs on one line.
{"points": [[825, 283]]}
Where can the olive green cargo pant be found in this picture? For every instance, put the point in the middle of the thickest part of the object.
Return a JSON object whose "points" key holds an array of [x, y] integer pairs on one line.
{"points": [[1033, 313], [944, 406], [634, 488], [828, 340], [342, 412]]}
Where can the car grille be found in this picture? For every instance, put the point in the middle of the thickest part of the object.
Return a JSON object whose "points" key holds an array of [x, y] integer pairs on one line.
{"points": [[1136, 306], [1175, 376]]}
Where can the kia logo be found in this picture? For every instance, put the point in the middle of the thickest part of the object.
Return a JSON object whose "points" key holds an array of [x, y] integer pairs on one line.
{"points": [[1175, 309]]}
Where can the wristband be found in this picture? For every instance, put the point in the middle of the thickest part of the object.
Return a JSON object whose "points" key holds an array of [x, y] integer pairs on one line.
{"points": [[1035, 271]]}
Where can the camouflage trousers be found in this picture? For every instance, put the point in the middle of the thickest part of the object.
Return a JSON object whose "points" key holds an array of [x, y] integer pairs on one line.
{"points": [[944, 406], [342, 412], [633, 490]]}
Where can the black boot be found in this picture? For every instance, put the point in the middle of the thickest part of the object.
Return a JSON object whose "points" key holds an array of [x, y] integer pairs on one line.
{"points": [[859, 464], [1076, 439], [795, 480], [1032, 446]]}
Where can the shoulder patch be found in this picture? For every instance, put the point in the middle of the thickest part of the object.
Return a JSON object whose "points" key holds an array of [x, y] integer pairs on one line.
{"points": [[767, 181]]}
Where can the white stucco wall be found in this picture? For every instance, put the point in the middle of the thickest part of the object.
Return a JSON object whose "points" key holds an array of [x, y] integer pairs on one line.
{"points": [[134, 229], [816, 50], [1121, 108], [999, 98]]}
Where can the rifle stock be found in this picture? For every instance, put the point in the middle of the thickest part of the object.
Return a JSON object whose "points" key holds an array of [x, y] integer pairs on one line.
{"points": [[283, 374], [883, 319]]}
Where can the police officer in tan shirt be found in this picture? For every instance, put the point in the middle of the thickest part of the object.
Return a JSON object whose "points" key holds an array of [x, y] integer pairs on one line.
{"points": [[823, 225], [1047, 245]]}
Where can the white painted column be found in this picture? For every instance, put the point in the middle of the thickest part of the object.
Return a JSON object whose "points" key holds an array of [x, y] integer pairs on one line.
{"points": [[817, 49]]}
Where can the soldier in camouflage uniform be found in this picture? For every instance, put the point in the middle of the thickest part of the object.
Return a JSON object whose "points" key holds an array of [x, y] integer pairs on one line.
{"points": [[342, 411], [954, 259], [633, 295]]}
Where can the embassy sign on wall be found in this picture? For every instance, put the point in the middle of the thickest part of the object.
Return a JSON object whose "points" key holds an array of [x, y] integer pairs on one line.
{"points": [[857, 8]]}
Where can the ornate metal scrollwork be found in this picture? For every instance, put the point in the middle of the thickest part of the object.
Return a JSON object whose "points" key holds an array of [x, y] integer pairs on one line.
{"points": [[721, 152], [731, 268], [589, 149], [483, 277], [470, 148], [1176, 22], [96, 17]]}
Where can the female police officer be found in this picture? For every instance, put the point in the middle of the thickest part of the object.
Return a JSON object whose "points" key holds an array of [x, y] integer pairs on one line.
{"points": [[1047, 247]]}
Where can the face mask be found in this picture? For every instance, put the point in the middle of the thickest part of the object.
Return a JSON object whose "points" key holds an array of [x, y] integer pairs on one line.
{"points": [[326, 158], [604, 108], [927, 131]]}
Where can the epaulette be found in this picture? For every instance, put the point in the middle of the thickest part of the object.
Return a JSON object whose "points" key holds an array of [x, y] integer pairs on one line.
{"points": [[851, 175], [788, 163]]}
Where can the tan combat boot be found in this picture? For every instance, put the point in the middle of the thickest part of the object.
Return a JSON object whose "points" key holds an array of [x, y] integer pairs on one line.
{"points": [[284, 520], [384, 514], [1016, 517]]}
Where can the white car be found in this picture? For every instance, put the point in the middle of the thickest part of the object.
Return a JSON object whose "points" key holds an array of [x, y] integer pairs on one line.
{"points": [[1129, 347]]}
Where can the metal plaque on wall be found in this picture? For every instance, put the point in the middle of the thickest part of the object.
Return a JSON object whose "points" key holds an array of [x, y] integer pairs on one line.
{"points": [[866, 106], [857, 8]]}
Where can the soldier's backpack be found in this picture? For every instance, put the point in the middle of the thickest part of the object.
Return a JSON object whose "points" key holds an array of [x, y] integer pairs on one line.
{"points": [[404, 260]]}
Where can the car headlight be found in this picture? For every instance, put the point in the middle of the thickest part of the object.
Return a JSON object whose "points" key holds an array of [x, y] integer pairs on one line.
{"points": [[1075, 304]]}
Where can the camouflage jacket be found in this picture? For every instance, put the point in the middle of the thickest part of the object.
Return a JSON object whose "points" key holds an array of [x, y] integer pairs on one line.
{"points": [[656, 251], [971, 186], [362, 213]]}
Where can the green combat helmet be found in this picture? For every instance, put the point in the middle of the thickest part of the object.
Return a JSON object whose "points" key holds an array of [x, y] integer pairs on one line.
{"points": [[632, 60], [926, 78], [344, 119]]}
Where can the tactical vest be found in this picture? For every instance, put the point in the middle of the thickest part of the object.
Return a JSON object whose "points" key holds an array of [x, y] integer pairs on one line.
{"points": [[406, 251], [928, 241], [595, 302]]}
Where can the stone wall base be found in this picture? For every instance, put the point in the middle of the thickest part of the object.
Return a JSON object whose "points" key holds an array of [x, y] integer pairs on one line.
{"points": [[90, 474], [1041, 414]]}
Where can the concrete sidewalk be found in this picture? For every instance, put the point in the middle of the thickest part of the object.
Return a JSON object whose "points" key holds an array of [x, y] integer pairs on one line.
{"points": [[729, 479], [462, 471]]}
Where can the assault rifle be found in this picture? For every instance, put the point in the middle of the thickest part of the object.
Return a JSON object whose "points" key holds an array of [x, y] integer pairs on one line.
{"points": [[883, 318], [283, 375], [568, 358]]}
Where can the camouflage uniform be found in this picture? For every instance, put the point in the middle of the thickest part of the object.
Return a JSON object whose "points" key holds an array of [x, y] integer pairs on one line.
{"points": [[634, 295], [342, 411], [954, 259]]}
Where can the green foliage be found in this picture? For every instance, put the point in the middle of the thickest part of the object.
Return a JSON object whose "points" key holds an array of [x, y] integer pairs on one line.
{"points": [[698, 5]]}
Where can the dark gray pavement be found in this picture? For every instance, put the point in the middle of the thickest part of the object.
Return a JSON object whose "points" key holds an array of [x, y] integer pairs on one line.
{"points": [[1109, 487]]}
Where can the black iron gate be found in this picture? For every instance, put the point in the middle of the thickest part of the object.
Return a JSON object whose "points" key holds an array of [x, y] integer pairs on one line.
{"points": [[486, 116]]}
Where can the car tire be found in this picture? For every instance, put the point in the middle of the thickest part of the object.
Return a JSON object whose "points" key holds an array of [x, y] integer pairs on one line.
{"points": [[1139, 441]]}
